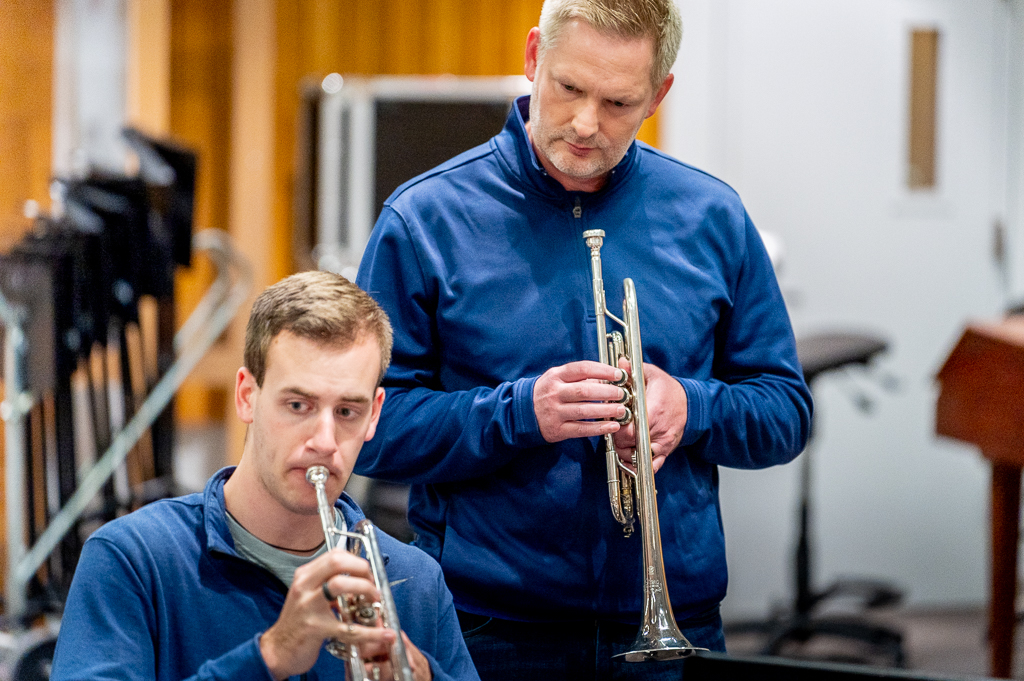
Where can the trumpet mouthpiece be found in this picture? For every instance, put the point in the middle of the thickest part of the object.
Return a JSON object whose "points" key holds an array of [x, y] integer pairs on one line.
{"points": [[317, 475]]}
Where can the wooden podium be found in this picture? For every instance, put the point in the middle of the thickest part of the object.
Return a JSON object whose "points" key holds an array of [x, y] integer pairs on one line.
{"points": [[981, 401]]}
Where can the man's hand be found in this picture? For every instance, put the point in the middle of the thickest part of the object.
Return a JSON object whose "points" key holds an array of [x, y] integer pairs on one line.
{"points": [[575, 400], [292, 644], [666, 416], [377, 656]]}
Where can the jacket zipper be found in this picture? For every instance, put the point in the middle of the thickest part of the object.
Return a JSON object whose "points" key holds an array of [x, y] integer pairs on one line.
{"points": [[577, 210]]}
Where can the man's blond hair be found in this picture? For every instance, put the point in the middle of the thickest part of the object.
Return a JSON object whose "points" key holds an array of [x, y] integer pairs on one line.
{"points": [[657, 19], [323, 307]]}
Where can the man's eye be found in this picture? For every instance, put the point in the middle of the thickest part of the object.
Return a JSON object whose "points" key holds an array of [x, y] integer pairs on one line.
{"points": [[345, 412], [295, 405], [570, 88]]}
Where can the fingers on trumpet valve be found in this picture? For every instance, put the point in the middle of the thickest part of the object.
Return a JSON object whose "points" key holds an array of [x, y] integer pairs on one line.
{"points": [[362, 607], [373, 643], [346, 573]]}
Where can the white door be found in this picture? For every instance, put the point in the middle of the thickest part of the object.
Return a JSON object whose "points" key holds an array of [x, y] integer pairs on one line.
{"points": [[802, 106]]}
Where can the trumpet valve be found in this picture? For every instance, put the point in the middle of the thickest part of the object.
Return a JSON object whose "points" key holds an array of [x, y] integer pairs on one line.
{"points": [[626, 418], [361, 611]]}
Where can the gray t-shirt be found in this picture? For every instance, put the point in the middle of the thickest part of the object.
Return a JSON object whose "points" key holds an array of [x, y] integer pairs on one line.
{"points": [[281, 563]]}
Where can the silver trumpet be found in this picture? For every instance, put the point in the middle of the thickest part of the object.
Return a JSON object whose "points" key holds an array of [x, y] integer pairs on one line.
{"points": [[355, 610], [632, 494]]}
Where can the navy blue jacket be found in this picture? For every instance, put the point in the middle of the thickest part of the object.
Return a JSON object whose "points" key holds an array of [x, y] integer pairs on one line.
{"points": [[482, 267], [162, 594]]}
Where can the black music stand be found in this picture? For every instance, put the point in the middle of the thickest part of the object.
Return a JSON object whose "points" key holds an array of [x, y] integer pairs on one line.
{"points": [[820, 354]]}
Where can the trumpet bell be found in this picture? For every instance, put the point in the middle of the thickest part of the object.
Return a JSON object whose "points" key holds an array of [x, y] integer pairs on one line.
{"points": [[659, 639]]}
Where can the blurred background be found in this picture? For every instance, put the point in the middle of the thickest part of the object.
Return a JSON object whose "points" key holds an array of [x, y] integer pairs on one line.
{"points": [[878, 145]]}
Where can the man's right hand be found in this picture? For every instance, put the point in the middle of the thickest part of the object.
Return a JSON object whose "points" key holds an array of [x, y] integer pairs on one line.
{"points": [[292, 644], [576, 400]]}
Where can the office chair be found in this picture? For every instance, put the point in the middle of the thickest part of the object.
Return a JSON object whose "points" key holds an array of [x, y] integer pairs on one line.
{"points": [[785, 632]]}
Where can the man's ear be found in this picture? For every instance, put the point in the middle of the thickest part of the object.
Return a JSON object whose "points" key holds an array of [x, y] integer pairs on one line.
{"points": [[378, 402], [245, 395], [532, 47], [660, 95]]}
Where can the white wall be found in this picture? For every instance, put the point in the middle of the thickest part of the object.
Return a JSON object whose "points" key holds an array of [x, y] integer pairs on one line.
{"points": [[801, 105]]}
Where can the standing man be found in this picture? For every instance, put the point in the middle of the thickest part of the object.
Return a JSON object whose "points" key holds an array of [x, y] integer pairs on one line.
{"points": [[236, 582], [495, 400]]}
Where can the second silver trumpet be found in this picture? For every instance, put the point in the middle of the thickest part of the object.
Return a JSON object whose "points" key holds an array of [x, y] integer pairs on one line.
{"points": [[354, 610]]}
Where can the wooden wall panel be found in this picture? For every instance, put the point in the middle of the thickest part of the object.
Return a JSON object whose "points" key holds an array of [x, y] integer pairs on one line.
{"points": [[149, 60], [200, 116], [406, 36], [26, 86], [389, 37], [385, 37]]}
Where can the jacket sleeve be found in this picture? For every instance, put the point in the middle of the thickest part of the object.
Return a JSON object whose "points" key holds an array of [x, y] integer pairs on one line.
{"points": [[755, 411], [108, 627], [430, 434]]}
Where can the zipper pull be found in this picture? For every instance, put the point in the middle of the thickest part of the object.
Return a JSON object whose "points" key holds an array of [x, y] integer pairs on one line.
{"points": [[577, 211]]}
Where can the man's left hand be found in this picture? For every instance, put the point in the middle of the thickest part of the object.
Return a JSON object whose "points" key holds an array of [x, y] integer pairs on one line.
{"points": [[377, 656], [666, 416]]}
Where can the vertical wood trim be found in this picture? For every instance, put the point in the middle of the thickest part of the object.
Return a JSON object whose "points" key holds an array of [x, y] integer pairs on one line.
{"points": [[924, 66], [200, 43], [252, 124], [26, 84], [366, 34], [324, 24], [405, 37], [148, 108], [445, 48], [149, 65], [523, 16], [26, 105], [252, 199], [26, 72]]}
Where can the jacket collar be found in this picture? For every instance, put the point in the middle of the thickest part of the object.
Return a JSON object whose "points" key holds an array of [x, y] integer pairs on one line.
{"points": [[215, 520], [521, 160]]}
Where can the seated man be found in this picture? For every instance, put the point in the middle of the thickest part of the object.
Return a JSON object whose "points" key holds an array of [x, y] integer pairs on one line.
{"points": [[236, 582]]}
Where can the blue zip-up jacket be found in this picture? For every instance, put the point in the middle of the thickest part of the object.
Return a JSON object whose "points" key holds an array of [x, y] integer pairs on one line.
{"points": [[162, 594], [482, 267]]}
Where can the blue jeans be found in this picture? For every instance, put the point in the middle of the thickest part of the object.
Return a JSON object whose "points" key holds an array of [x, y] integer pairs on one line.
{"points": [[573, 650]]}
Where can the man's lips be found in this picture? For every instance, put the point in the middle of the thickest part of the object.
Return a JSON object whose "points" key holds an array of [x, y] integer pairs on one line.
{"points": [[579, 150]]}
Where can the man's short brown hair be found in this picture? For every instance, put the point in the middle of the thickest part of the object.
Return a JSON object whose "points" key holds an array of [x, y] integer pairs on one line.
{"points": [[323, 307], [657, 19]]}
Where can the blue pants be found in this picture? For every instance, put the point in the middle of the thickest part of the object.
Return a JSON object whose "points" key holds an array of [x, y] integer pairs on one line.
{"points": [[574, 650]]}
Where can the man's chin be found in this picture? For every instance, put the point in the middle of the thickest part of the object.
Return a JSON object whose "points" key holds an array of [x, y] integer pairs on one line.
{"points": [[580, 173]]}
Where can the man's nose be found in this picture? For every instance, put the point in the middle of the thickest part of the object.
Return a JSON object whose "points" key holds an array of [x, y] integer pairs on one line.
{"points": [[323, 438], [585, 122]]}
